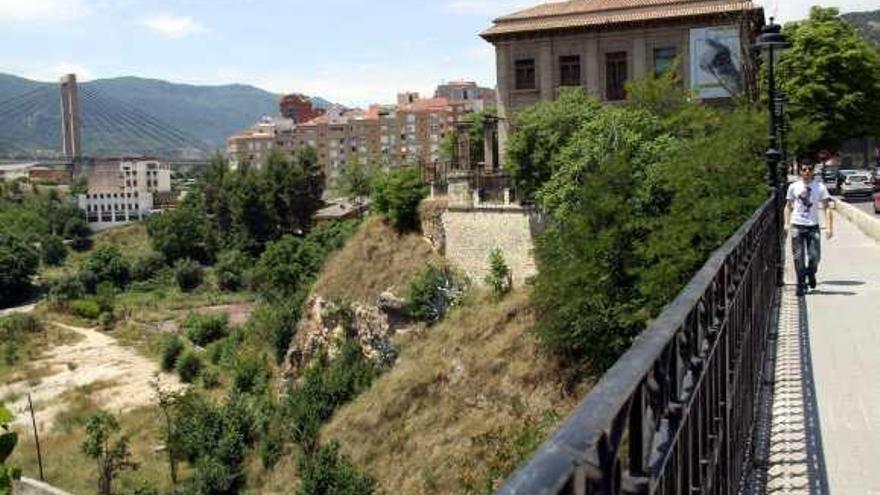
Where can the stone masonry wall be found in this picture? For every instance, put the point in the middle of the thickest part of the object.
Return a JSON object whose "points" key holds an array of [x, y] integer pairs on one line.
{"points": [[473, 233]]}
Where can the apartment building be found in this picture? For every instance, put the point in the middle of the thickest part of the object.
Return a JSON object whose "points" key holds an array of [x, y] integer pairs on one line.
{"points": [[599, 45], [474, 98], [254, 145], [123, 190]]}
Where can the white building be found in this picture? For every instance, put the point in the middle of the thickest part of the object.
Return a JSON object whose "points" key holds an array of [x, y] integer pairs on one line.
{"points": [[16, 171], [124, 190]]}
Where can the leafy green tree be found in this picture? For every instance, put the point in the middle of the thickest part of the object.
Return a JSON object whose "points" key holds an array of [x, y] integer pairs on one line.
{"points": [[18, 263], [108, 265], [328, 472], [204, 329], [832, 77], [430, 294], [181, 233], [170, 347], [109, 449], [355, 181], [541, 131], [8, 440], [188, 365], [397, 195], [230, 269], [147, 266], [499, 277], [188, 274]]}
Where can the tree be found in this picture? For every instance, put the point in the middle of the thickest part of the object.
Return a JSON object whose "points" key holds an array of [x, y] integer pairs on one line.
{"points": [[328, 472], [18, 262], [188, 274], [498, 278], [397, 195], [832, 78], [109, 449], [181, 233], [540, 132], [230, 269], [8, 440], [108, 265], [356, 179], [54, 250]]}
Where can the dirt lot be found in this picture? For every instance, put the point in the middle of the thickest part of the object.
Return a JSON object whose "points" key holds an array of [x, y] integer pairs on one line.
{"points": [[118, 375]]}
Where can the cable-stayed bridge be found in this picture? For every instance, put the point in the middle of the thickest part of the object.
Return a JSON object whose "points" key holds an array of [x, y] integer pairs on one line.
{"points": [[74, 121]]}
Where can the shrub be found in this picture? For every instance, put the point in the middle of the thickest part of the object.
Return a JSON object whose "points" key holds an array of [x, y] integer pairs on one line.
{"points": [[210, 377], [251, 375], [108, 265], [170, 348], [188, 274], [85, 308], [276, 323], [146, 267], [430, 294], [21, 323], [204, 329], [230, 269], [106, 320], [66, 288], [498, 278], [327, 471], [18, 262], [397, 195], [54, 250], [189, 365], [105, 297]]}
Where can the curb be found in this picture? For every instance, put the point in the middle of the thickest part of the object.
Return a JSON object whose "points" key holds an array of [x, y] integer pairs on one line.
{"points": [[866, 222]]}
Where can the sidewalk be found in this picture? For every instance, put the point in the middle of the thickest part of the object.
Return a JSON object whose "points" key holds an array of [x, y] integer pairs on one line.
{"points": [[825, 431]]}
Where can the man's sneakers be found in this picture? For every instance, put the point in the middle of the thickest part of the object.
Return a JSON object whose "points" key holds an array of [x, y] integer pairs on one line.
{"points": [[811, 280], [801, 290]]}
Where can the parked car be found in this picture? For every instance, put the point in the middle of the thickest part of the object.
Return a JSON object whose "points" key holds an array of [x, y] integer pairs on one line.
{"points": [[877, 202], [829, 177], [857, 183]]}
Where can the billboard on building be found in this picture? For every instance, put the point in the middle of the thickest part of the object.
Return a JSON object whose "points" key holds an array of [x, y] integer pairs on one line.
{"points": [[716, 62]]}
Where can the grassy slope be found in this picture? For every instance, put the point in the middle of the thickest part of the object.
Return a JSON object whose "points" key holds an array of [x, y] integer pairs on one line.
{"points": [[460, 408], [374, 260]]}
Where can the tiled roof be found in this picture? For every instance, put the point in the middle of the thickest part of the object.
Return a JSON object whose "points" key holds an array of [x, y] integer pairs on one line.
{"points": [[594, 13]]}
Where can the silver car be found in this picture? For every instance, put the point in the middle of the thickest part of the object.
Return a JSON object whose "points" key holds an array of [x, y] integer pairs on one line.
{"points": [[857, 183]]}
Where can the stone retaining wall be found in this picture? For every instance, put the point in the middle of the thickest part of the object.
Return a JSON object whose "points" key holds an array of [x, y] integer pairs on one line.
{"points": [[867, 223], [471, 234]]}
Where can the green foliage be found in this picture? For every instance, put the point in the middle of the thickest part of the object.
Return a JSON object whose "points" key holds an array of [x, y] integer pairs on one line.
{"points": [[355, 180], [832, 77], [188, 365], [867, 24], [638, 196], [108, 265], [8, 441], [18, 263], [109, 449], [146, 267], [210, 377], [430, 294], [251, 375], [230, 269], [276, 323], [181, 233], [105, 297], [85, 308], [204, 329], [66, 288], [54, 250], [328, 472], [15, 330], [397, 195], [326, 386], [499, 277], [540, 132], [170, 348], [188, 274]]}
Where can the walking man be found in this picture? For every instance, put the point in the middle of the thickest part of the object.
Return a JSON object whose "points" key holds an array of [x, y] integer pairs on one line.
{"points": [[802, 214]]}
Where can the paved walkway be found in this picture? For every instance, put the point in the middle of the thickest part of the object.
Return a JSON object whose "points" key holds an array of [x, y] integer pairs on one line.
{"points": [[825, 431]]}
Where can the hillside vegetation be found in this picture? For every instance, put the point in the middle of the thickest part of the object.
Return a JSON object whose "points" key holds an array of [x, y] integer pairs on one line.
{"points": [[867, 24]]}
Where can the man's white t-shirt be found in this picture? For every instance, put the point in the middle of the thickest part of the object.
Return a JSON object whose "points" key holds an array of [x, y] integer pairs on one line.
{"points": [[806, 199]]}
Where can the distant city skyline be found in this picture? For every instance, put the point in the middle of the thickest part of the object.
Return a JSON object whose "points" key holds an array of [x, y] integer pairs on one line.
{"points": [[347, 51]]}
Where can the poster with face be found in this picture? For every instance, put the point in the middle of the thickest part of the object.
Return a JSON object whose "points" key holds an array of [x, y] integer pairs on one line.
{"points": [[716, 65]]}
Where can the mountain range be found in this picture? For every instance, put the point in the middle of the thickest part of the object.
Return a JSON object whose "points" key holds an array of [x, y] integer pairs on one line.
{"points": [[204, 114], [867, 23]]}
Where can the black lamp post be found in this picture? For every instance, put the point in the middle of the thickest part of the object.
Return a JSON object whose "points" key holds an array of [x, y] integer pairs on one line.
{"points": [[771, 42]]}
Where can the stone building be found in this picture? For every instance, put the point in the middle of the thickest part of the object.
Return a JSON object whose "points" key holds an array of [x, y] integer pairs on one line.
{"points": [[599, 45]]}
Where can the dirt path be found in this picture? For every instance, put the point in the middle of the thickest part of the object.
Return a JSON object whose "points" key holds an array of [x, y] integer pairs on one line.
{"points": [[121, 378]]}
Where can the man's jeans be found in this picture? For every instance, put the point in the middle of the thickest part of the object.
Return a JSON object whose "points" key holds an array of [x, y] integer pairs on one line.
{"points": [[805, 241]]}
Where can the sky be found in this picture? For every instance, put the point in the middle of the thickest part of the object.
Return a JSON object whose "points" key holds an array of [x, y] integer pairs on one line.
{"points": [[353, 52]]}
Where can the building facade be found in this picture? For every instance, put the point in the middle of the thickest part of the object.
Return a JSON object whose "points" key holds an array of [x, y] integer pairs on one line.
{"points": [[122, 190], [298, 108], [473, 97], [600, 45]]}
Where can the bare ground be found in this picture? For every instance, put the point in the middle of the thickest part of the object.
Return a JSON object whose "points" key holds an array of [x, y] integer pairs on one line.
{"points": [[120, 377]]}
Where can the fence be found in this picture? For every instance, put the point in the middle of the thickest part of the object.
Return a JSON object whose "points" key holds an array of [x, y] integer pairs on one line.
{"points": [[675, 414]]}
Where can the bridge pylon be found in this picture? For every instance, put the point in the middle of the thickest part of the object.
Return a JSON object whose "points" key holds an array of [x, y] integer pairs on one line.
{"points": [[71, 132]]}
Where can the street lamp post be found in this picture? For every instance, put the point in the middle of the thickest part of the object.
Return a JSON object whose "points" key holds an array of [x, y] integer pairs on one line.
{"points": [[771, 42]]}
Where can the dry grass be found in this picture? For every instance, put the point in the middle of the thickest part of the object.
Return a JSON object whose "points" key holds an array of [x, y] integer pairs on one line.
{"points": [[476, 379], [31, 348], [374, 260]]}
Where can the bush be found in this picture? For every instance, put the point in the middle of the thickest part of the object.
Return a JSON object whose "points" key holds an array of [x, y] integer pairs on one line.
{"points": [[66, 288], [329, 472], [251, 376], [188, 274], [108, 265], [146, 267], [85, 308], [204, 329], [105, 297], [170, 348], [498, 278], [54, 250], [230, 269], [397, 195], [106, 320], [430, 294], [210, 377], [18, 262], [188, 366], [276, 323]]}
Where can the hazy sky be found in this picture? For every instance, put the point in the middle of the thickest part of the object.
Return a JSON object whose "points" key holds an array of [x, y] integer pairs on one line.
{"points": [[350, 51]]}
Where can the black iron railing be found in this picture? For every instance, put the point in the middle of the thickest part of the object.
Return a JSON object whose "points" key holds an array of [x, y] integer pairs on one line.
{"points": [[675, 414]]}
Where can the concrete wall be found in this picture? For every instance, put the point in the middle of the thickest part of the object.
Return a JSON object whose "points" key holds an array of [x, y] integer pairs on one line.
{"points": [[471, 234], [867, 223], [27, 486]]}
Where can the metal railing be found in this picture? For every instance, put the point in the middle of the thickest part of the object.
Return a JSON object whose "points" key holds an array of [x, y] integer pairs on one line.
{"points": [[675, 415]]}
